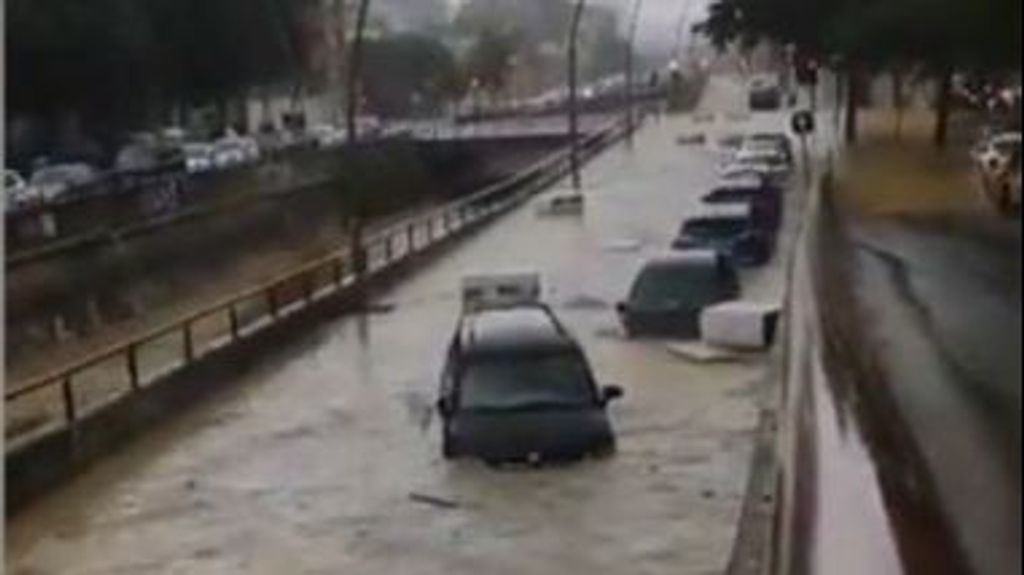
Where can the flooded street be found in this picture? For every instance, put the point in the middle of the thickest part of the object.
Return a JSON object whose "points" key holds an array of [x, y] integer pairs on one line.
{"points": [[326, 459]]}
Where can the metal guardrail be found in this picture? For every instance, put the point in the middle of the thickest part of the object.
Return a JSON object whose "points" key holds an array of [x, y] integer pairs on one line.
{"points": [[62, 398]]}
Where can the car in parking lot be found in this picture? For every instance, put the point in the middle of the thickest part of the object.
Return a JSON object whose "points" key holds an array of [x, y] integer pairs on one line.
{"points": [[517, 387], [327, 136], [198, 157], [729, 229], [56, 180], [670, 291], [229, 152], [17, 192]]}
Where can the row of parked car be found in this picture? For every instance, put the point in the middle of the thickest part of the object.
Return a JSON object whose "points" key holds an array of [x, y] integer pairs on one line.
{"points": [[170, 151], [736, 227], [516, 385]]}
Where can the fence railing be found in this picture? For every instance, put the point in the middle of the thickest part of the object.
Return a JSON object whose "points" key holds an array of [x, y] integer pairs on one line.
{"points": [[64, 397]]}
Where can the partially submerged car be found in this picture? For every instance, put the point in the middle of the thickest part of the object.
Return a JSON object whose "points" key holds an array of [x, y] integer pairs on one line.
{"points": [[670, 291], [763, 197], [516, 385], [729, 229], [768, 162]]}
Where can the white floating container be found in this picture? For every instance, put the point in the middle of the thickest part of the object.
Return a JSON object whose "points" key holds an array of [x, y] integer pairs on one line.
{"points": [[561, 204], [503, 289], [739, 324]]}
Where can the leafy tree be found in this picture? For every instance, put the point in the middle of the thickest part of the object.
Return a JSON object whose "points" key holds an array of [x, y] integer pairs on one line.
{"points": [[490, 59], [935, 37], [402, 68]]}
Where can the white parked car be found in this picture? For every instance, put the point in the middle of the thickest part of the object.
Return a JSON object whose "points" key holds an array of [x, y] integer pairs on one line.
{"points": [[17, 192], [228, 152], [54, 181], [327, 136], [250, 149], [198, 157], [763, 161]]}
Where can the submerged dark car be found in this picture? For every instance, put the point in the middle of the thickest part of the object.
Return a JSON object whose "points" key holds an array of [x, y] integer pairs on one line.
{"points": [[729, 229], [517, 387], [764, 96], [669, 293]]}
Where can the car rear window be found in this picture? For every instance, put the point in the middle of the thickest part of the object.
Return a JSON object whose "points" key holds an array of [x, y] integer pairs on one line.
{"points": [[524, 381]]}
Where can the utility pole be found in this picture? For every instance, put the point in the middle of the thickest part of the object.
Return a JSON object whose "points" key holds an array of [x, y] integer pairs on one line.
{"points": [[334, 31], [634, 20], [355, 62], [574, 160]]}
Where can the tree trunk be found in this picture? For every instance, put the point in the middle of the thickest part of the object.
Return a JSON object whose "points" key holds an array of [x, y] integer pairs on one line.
{"points": [[942, 107], [852, 105]]}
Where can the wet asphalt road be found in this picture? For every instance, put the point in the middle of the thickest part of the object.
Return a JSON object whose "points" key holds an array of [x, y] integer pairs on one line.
{"points": [[317, 461], [944, 298]]}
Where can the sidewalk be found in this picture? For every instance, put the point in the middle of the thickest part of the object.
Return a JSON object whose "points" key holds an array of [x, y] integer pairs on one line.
{"points": [[936, 281]]}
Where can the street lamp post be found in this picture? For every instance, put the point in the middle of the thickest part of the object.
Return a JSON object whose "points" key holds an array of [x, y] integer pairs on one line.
{"points": [[358, 250], [574, 160], [634, 20]]}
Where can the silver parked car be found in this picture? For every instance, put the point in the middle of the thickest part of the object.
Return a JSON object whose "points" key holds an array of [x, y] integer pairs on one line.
{"points": [[17, 192], [55, 181], [198, 157]]}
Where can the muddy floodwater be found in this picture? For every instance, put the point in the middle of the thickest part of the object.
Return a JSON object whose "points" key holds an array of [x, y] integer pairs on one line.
{"points": [[326, 458]]}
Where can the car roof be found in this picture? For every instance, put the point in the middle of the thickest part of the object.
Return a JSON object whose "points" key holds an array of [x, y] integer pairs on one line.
{"points": [[688, 258], [520, 329], [721, 212], [742, 181]]}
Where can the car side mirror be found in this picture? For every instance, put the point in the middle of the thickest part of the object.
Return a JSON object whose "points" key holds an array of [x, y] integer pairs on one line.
{"points": [[621, 307], [444, 406], [610, 392]]}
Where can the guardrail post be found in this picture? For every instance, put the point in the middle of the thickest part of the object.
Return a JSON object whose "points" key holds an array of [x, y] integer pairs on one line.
{"points": [[411, 238], [133, 367], [70, 413], [233, 322], [444, 223], [430, 230], [336, 271], [307, 286], [387, 249], [190, 352], [272, 301]]}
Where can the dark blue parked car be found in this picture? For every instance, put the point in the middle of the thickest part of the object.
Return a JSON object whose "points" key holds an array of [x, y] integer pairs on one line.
{"points": [[730, 230]]}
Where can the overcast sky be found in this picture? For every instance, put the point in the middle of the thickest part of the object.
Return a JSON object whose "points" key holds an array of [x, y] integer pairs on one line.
{"points": [[658, 20]]}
